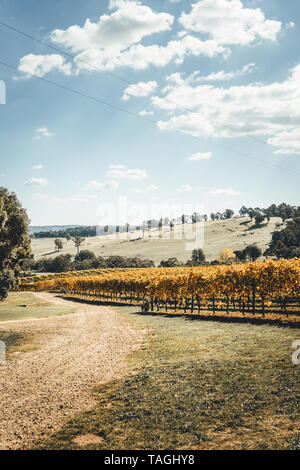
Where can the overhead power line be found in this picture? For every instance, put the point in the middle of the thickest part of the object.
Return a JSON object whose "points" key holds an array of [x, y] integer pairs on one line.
{"points": [[124, 80], [144, 118]]}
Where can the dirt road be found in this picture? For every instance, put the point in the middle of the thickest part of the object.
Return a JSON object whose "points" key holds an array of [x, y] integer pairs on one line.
{"points": [[40, 390]]}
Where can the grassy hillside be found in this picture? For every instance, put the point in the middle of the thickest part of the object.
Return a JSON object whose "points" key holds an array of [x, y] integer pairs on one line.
{"points": [[233, 233]]}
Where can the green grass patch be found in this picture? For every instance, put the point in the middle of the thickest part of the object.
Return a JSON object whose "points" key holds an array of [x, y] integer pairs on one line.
{"points": [[196, 385], [24, 306]]}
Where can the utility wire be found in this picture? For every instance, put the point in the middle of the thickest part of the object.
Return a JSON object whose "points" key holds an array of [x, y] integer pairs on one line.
{"points": [[153, 121], [127, 82]]}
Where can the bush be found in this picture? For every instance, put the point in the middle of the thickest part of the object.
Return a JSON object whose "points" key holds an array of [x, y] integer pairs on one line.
{"points": [[85, 255], [169, 263]]}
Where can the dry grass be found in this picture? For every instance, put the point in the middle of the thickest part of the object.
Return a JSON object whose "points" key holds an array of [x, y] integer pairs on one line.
{"points": [[234, 233], [87, 439], [197, 385], [17, 342]]}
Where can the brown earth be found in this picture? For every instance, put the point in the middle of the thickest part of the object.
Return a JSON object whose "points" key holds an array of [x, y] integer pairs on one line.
{"points": [[40, 390]]}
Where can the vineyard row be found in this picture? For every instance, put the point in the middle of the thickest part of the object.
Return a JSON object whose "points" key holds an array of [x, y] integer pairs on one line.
{"points": [[259, 287]]}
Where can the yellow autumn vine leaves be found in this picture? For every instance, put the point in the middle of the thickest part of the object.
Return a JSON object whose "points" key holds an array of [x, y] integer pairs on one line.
{"points": [[261, 281]]}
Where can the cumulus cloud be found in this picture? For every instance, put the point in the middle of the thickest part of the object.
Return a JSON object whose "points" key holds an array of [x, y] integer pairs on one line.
{"points": [[178, 78], [290, 25], [109, 184], [130, 23], [36, 182], [222, 192], [185, 188], [140, 89], [42, 132], [40, 65], [103, 42], [201, 156], [222, 75], [152, 187], [229, 23], [115, 40], [144, 112], [271, 110], [121, 172], [140, 57], [287, 142]]}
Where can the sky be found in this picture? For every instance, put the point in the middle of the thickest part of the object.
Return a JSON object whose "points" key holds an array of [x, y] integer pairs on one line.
{"points": [[202, 107]]}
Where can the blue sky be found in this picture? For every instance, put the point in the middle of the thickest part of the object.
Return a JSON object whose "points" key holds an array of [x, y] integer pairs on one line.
{"points": [[219, 78]]}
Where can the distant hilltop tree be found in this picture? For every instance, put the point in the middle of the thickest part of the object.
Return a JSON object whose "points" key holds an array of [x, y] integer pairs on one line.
{"points": [[58, 244], [78, 242], [283, 210], [14, 240]]}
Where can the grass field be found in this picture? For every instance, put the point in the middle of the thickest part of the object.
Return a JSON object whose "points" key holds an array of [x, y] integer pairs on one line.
{"points": [[196, 385], [235, 233], [24, 306]]}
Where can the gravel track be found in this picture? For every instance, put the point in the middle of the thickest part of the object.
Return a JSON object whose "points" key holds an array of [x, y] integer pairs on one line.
{"points": [[40, 390]]}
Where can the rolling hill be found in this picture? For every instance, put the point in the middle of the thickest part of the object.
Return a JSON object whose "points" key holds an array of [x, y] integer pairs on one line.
{"points": [[235, 233]]}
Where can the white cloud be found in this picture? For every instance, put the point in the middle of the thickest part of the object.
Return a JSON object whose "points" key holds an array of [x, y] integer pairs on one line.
{"points": [[229, 23], [185, 188], [103, 43], [37, 167], [287, 142], [152, 187], [114, 40], [36, 182], [39, 65], [130, 23], [211, 28], [201, 156], [222, 192], [121, 172], [95, 185], [145, 113], [222, 75], [259, 109], [194, 78], [140, 57], [140, 89], [290, 25], [137, 190], [42, 132]]}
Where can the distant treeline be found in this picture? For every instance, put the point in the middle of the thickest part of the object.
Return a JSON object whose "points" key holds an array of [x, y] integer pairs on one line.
{"points": [[71, 232], [84, 260], [285, 211]]}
